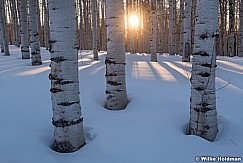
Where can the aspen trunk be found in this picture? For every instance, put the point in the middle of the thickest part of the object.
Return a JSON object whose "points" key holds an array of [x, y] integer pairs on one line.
{"points": [[231, 51], [153, 43], [46, 24], [115, 59], [103, 26], [94, 29], [15, 23], [222, 28], [24, 29], [241, 30], [3, 28], [34, 34], [172, 27], [203, 114], [81, 26], [160, 26], [187, 31], [182, 13], [67, 117]]}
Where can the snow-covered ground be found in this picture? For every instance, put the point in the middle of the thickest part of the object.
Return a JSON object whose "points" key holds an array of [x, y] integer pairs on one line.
{"points": [[151, 128]]}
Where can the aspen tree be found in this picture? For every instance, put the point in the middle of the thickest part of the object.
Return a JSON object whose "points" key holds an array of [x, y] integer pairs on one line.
{"points": [[182, 12], [3, 28], [34, 33], [67, 118], [172, 27], [153, 42], [24, 29], [241, 30], [203, 114], [187, 31], [115, 59], [15, 23], [231, 50], [94, 29]]}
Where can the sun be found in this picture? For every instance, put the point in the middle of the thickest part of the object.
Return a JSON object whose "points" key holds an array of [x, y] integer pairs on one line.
{"points": [[133, 21]]}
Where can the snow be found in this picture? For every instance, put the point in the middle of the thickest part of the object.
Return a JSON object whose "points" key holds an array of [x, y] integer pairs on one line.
{"points": [[150, 130]]}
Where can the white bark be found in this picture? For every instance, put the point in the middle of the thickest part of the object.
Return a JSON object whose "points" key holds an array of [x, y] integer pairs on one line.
{"points": [[94, 29], [187, 31], [67, 117], [24, 29], [103, 27], [160, 27], [222, 28], [3, 28], [81, 30], [15, 23], [115, 59], [46, 24], [98, 25], [182, 12], [231, 51], [34, 33], [153, 43], [241, 30], [172, 27], [85, 14], [1, 41], [203, 114]]}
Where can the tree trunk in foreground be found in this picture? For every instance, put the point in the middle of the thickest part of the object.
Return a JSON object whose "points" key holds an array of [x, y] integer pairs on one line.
{"points": [[115, 59], [67, 117], [203, 114]]}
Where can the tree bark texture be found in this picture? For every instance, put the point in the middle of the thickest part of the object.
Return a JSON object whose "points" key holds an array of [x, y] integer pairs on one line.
{"points": [[172, 27], [153, 41], [94, 29], [241, 30], [115, 59], [24, 29], [67, 117], [3, 28], [231, 50], [203, 114], [187, 31], [34, 33]]}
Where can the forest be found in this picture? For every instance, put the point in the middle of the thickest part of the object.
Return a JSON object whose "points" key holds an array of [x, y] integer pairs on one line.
{"points": [[121, 80]]}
